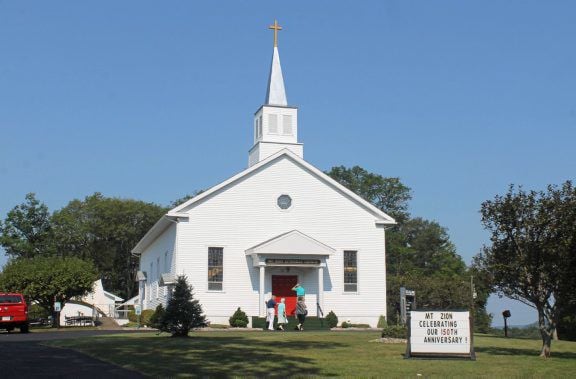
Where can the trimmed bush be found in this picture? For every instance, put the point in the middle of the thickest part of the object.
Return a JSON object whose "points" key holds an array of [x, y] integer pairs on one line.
{"points": [[395, 331], [238, 319], [157, 317], [331, 319], [144, 317], [345, 325], [382, 322], [132, 315]]}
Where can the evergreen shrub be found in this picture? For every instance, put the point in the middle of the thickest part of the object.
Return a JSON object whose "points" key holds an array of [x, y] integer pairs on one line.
{"points": [[183, 312], [382, 322], [239, 319], [395, 331], [157, 318], [144, 316], [331, 319], [131, 314]]}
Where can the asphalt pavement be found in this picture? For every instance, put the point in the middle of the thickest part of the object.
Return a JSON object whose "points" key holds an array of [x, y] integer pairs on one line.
{"points": [[22, 355]]}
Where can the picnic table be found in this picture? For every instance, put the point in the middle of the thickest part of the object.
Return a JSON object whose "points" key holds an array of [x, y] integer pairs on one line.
{"points": [[79, 321]]}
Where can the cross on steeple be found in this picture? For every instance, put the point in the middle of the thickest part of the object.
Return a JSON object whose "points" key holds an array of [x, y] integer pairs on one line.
{"points": [[276, 28]]}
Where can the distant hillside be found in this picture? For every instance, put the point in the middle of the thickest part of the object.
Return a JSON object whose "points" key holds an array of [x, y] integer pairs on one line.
{"points": [[529, 331]]}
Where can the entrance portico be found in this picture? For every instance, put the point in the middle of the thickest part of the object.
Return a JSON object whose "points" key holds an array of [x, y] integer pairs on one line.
{"points": [[291, 253]]}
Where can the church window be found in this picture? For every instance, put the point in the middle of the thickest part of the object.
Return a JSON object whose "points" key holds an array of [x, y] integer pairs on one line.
{"points": [[287, 124], [284, 201], [166, 264], [350, 271], [215, 268], [273, 123], [157, 277], [152, 287], [259, 127]]}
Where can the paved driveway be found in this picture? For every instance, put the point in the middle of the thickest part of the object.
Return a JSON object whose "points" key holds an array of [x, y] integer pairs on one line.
{"points": [[23, 356]]}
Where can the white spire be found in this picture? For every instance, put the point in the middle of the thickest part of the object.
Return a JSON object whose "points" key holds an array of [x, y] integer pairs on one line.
{"points": [[275, 123], [276, 94]]}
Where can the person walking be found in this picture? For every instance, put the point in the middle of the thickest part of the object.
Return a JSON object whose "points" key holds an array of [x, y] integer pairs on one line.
{"points": [[301, 312], [282, 314], [270, 304]]}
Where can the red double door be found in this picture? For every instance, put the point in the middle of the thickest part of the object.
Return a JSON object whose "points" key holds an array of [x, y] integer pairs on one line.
{"points": [[282, 288]]}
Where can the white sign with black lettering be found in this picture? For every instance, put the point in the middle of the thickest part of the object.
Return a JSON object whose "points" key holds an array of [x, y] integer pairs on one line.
{"points": [[439, 332]]}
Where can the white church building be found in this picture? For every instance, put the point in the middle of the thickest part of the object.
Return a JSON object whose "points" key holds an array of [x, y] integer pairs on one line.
{"points": [[279, 222]]}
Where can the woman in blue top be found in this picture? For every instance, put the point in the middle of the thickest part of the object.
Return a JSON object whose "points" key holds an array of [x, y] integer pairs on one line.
{"points": [[299, 290], [282, 314]]}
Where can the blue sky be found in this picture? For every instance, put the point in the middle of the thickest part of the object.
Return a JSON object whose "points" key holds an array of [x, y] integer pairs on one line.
{"points": [[153, 100]]}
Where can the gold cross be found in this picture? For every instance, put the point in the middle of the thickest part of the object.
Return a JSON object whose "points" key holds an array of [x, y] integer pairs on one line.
{"points": [[276, 27]]}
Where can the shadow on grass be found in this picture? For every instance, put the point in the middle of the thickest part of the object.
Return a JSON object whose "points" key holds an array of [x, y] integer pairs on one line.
{"points": [[497, 350], [211, 356]]}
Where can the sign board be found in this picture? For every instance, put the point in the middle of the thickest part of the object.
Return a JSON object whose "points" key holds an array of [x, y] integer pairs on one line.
{"points": [[137, 310], [407, 303], [292, 262], [57, 306], [440, 334]]}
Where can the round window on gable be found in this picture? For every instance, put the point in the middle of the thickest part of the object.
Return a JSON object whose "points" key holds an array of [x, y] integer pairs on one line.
{"points": [[284, 201]]}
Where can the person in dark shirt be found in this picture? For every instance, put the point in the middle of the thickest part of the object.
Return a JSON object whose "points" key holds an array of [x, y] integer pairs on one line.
{"points": [[270, 304]]}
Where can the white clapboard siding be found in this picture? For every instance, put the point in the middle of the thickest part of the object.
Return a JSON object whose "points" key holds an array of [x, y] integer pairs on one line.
{"points": [[246, 213], [165, 243]]}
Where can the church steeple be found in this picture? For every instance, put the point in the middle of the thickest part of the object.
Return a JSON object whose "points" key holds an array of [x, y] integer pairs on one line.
{"points": [[275, 123], [276, 94]]}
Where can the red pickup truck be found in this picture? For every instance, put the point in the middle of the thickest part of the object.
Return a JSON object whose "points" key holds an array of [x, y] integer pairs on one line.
{"points": [[13, 312]]}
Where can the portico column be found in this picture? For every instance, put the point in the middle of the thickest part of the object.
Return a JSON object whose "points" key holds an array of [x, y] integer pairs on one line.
{"points": [[321, 288], [261, 291]]}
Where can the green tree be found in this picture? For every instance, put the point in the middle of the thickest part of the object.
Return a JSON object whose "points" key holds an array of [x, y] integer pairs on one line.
{"points": [[48, 279], [27, 231], [185, 198], [431, 293], [425, 247], [387, 194], [104, 230], [183, 311], [417, 250], [532, 256]]}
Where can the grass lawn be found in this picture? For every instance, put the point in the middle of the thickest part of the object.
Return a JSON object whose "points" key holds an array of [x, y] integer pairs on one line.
{"points": [[317, 353]]}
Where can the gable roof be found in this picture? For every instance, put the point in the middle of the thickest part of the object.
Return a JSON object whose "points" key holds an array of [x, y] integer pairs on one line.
{"points": [[292, 242], [112, 296], [382, 218], [173, 215]]}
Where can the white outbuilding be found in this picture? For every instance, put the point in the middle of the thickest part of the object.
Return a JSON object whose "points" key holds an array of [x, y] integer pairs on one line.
{"points": [[280, 222]]}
